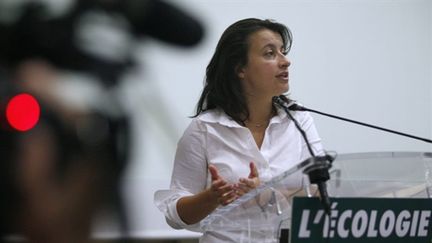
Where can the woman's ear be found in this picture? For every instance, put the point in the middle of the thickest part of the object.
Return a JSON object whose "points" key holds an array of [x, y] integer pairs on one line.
{"points": [[240, 72]]}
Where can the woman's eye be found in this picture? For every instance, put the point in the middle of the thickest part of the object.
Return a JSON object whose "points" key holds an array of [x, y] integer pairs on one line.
{"points": [[269, 53]]}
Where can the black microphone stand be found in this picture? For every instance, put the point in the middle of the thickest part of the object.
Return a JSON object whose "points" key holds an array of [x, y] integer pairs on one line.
{"points": [[296, 107], [318, 170], [319, 165]]}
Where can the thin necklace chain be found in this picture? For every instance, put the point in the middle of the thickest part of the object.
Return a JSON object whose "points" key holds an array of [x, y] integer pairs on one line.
{"points": [[257, 125]]}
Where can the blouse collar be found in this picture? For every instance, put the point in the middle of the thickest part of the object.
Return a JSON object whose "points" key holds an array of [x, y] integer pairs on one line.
{"points": [[220, 117]]}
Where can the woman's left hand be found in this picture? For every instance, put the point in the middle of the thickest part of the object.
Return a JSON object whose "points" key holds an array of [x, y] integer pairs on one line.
{"points": [[247, 184]]}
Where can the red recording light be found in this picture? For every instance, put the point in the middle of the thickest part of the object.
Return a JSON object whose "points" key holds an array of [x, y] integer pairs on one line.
{"points": [[22, 112]]}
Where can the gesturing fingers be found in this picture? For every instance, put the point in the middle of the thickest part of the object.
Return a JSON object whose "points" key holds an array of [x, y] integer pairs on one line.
{"points": [[223, 192], [247, 184], [253, 170], [214, 172]]}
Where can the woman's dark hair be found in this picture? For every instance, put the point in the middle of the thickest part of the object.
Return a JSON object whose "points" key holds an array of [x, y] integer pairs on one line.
{"points": [[222, 87]]}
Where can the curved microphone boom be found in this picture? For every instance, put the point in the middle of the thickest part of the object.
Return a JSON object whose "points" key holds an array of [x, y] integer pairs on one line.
{"points": [[296, 107], [318, 170]]}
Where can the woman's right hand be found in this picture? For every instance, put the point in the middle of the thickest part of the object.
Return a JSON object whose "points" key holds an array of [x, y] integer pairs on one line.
{"points": [[193, 209], [221, 191]]}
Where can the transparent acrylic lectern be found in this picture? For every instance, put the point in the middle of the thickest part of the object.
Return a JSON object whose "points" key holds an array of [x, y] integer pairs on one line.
{"points": [[261, 213]]}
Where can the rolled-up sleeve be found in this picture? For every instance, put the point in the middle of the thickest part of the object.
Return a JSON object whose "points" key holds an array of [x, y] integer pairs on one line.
{"points": [[189, 174]]}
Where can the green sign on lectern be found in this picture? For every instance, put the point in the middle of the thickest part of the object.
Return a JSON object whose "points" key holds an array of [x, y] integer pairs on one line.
{"points": [[368, 220]]}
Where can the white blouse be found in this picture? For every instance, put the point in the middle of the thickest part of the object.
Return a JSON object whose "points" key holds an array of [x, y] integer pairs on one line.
{"points": [[214, 138]]}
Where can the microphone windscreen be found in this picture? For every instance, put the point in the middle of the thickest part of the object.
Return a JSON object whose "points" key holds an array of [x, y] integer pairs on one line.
{"points": [[291, 105], [278, 101]]}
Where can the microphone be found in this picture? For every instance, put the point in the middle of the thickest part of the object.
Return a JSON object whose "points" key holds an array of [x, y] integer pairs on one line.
{"points": [[318, 170], [297, 107]]}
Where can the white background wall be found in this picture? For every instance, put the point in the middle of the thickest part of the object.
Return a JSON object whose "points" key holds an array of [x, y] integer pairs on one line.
{"points": [[369, 60]]}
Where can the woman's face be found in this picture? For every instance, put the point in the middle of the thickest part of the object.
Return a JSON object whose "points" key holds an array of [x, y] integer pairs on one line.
{"points": [[266, 73]]}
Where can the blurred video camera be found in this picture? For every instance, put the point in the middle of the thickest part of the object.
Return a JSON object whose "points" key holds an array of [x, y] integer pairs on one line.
{"points": [[91, 37], [90, 139]]}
